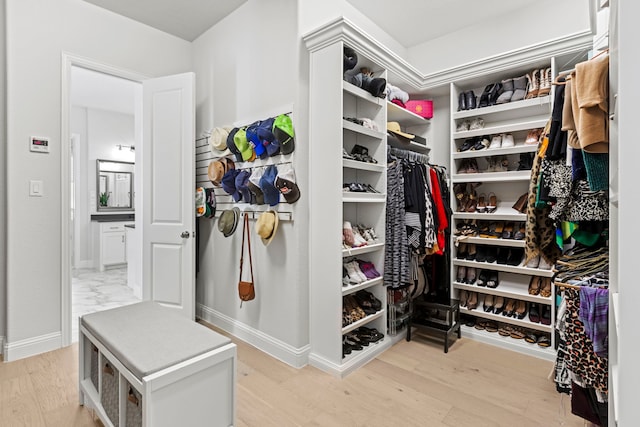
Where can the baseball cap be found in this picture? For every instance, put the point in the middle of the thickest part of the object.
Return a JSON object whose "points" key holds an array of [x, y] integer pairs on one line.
{"points": [[283, 131], [286, 183], [271, 193], [254, 186], [241, 186], [231, 145], [254, 140], [229, 184]]}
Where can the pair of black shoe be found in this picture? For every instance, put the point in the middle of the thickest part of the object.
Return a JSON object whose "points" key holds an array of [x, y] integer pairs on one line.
{"points": [[467, 100], [490, 95], [359, 338], [509, 256], [361, 154], [526, 161]]}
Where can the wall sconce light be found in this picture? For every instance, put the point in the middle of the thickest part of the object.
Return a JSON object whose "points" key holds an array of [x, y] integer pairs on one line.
{"points": [[130, 147]]}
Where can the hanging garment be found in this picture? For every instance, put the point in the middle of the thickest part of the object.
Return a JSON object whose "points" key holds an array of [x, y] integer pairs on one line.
{"points": [[396, 261], [594, 314], [588, 369], [441, 215], [590, 103]]}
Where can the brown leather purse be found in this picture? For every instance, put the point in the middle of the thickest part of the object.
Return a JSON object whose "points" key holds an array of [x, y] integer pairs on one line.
{"points": [[246, 290]]}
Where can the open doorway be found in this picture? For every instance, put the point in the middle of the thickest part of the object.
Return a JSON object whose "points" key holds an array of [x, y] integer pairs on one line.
{"points": [[103, 121]]}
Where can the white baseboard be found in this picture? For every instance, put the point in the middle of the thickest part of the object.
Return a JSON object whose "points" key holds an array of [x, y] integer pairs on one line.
{"points": [[296, 357], [356, 360], [32, 346]]}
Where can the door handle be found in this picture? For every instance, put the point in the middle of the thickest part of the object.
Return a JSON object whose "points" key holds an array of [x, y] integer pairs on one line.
{"points": [[185, 234]]}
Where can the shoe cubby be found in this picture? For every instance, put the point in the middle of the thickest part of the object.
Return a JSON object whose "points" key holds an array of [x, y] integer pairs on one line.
{"points": [[492, 149]]}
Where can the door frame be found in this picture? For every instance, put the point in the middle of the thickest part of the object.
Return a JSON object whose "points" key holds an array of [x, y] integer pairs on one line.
{"points": [[69, 60]]}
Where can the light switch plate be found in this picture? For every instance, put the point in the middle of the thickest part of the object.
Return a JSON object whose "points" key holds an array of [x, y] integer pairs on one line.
{"points": [[36, 188]]}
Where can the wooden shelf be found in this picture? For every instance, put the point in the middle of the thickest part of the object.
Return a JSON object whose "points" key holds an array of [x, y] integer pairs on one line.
{"points": [[363, 249], [509, 176], [530, 105], [494, 242], [354, 127], [396, 113], [518, 269], [355, 197], [362, 94], [355, 164], [517, 149], [525, 323], [507, 290], [504, 128], [350, 289]]}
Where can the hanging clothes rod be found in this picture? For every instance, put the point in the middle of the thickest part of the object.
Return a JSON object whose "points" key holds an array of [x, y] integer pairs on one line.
{"points": [[408, 155]]}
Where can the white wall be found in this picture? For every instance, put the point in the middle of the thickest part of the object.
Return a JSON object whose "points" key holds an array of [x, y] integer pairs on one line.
{"points": [[3, 186], [38, 32], [247, 68], [532, 24]]}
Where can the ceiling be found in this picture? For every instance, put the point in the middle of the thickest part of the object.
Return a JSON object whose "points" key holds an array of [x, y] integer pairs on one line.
{"points": [[410, 22], [186, 19]]}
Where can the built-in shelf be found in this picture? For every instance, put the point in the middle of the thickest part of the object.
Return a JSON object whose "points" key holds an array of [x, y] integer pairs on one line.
{"points": [[529, 105], [363, 249], [525, 323], [349, 289], [353, 361], [524, 175], [355, 197], [494, 242], [507, 290], [518, 269], [503, 212], [517, 149], [362, 94], [504, 128], [354, 127], [362, 322], [396, 113], [509, 343], [355, 164]]}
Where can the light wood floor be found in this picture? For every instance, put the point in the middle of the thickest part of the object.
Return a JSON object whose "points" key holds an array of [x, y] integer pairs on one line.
{"points": [[411, 384]]}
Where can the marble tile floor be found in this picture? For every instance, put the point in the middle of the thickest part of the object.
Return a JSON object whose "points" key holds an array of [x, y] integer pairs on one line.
{"points": [[94, 290]]}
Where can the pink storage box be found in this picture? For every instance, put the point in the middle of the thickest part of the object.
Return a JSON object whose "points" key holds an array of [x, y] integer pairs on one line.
{"points": [[423, 107]]}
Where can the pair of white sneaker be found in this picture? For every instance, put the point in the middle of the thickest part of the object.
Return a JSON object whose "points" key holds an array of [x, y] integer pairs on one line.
{"points": [[504, 140]]}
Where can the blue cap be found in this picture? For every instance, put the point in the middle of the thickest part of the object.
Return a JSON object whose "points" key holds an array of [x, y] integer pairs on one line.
{"points": [[267, 185], [271, 144], [254, 140], [242, 179], [229, 183]]}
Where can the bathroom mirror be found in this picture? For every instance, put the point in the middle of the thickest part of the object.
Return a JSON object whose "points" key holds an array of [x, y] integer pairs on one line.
{"points": [[114, 185]]}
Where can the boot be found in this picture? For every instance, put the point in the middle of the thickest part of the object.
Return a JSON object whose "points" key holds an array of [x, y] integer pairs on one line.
{"points": [[507, 92], [471, 100], [462, 102], [526, 162], [519, 88]]}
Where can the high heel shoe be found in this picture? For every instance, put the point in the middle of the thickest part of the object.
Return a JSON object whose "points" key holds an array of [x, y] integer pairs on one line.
{"points": [[493, 203], [534, 285], [472, 302], [487, 304], [521, 309], [463, 297], [462, 273], [471, 275], [498, 304], [509, 307]]}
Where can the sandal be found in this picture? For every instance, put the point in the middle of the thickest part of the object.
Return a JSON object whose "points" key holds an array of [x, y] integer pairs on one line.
{"points": [[505, 330], [482, 205], [493, 203], [491, 327], [517, 333], [531, 338], [487, 304], [544, 341], [481, 324]]}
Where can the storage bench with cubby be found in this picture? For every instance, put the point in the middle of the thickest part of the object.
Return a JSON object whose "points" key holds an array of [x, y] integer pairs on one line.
{"points": [[146, 365]]}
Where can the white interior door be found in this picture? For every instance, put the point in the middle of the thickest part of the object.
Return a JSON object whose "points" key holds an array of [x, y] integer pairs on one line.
{"points": [[168, 182]]}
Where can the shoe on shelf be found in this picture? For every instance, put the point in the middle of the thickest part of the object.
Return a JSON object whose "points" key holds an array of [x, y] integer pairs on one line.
{"points": [[481, 253], [471, 100], [347, 234], [463, 297], [519, 88], [533, 262], [462, 274], [545, 287], [507, 231], [507, 141], [545, 315], [501, 163], [472, 166], [462, 102], [472, 302], [534, 312], [492, 254], [520, 232], [492, 280], [482, 278], [521, 309], [482, 204], [533, 82], [495, 93], [354, 276], [463, 126], [484, 97], [503, 255], [471, 276], [498, 304], [481, 143], [534, 285], [496, 142], [487, 304], [492, 206], [545, 82], [533, 136], [471, 255], [544, 340], [515, 256], [507, 92], [509, 307], [476, 123], [467, 144], [526, 162], [461, 253]]}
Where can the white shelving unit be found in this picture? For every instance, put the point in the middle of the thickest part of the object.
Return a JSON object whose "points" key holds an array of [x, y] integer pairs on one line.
{"points": [[516, 118]]}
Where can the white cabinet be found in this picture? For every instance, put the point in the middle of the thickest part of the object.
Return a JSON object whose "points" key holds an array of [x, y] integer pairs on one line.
{"points": [[110, 244]]}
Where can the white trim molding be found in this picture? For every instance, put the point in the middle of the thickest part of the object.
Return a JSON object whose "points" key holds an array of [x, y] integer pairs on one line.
{"points": [[296, 357], [31, 346], [343, 30], [1, 344]]}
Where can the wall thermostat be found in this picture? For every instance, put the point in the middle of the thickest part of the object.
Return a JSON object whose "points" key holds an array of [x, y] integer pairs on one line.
{"points": [[39, 144]]}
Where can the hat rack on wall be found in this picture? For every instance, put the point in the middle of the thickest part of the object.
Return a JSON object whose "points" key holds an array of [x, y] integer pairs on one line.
{"points": [[282, 215]]}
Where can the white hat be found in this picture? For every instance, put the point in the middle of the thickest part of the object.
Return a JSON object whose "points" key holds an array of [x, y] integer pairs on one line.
{"points": [[267, 225], [218, 139]]}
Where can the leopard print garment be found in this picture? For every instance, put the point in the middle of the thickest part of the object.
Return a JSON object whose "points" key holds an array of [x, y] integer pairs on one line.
{"points": [[584, 363], [540, 230]]}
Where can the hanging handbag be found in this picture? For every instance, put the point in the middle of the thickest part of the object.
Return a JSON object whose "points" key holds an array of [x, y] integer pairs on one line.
{"points": [[246, 290]]}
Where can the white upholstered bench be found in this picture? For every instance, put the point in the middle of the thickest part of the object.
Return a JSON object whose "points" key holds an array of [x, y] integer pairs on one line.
{"points": [[146, 365]]}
